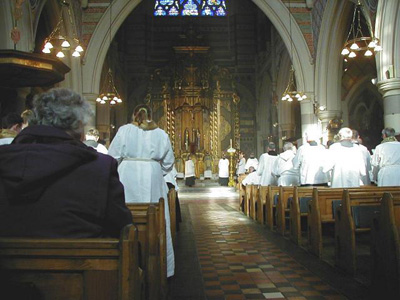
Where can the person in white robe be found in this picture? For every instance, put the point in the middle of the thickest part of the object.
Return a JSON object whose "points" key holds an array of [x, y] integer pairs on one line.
{"points": [[145, 155], [252, 178], [386, 160], [252, 161], [190, 172], [92, 137], [223, 170], [240, 166], [365, 180], [309, 161], [266, 162], [283, 167], [346, 162]]}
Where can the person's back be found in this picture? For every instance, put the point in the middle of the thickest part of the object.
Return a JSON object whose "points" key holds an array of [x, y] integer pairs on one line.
{"points": [[283, 167], [346, 161], [52, 185], [265, 165], [309, 161], [386, 160]]}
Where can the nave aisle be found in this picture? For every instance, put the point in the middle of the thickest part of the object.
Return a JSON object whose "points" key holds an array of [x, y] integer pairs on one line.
{"points": [[222, 254]]}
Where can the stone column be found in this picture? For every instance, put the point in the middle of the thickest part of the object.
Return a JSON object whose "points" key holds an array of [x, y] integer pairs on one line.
{"points": [[328, 132], [91, 98], [390, 90], [388, 62], [309, 121]]}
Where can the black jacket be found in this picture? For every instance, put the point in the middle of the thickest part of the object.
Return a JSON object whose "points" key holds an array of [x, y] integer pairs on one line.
{"points": [[52, 185]]}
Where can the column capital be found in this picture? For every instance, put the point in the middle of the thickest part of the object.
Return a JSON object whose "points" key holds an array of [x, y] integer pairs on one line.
{"points": [[327, 115], [389, 87]]}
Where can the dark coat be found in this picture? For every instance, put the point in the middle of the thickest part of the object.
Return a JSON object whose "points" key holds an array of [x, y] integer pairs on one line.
{"points": [[52, 185]]}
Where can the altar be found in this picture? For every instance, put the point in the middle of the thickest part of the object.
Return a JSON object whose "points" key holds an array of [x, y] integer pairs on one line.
{"points": [[196, 103]]}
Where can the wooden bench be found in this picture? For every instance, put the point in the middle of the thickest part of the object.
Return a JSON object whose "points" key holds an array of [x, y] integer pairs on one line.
{"points": [[298, 207], [90, 269], [172, 213], [282, 210], [150, 221], [261, 202], [320, 211], [355, 215], [247, 200], [270, 205], [385, 250]]}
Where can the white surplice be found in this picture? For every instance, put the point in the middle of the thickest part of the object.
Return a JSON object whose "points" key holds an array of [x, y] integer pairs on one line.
{"points": [[145, 156], [386, 164], [223, 168], [265, 169], [283, 169]]}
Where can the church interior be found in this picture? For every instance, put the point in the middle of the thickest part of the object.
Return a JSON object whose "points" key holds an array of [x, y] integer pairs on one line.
{"points": [[219, 75]]}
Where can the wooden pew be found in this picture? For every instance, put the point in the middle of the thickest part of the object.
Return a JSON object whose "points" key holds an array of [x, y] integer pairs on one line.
{"points": [[285, 192], [90, 269], [172, 213], [242, 191], [247, 200], [150, 221], [298, 208], [261, 202], [385, 250], [253, 201], [270, 205], [355, 215], [320, 212]]}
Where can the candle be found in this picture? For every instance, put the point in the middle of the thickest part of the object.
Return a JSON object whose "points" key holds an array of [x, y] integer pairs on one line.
{"points": [[230, 143]]}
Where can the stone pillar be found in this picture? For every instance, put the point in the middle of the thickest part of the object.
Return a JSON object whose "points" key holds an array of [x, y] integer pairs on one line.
{"points": [[388, 62], [328, 130], [390, 90], [309, 121], [91, 98]]}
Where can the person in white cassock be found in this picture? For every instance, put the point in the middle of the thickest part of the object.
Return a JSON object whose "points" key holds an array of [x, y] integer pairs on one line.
{"points": [[145, 155], [190, 172], [223, 170], [346, 161], [264, 170], [283, 167], [251, 162], [309, 162], [92, 138], [240, 166], [365, 180], [386, 160], [252, 178]]}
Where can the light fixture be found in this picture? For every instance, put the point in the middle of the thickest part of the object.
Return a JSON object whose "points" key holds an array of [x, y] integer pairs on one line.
{"points": [[290, 92], [356, 41], [57, 41], [110, 94]]}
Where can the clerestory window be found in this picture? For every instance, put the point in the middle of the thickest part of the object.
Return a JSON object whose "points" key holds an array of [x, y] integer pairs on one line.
{"points": [[173, 8]]}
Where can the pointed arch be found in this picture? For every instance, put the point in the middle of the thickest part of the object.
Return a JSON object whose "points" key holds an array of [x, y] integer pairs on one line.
{"points": [[99, 43], [278, 14]]}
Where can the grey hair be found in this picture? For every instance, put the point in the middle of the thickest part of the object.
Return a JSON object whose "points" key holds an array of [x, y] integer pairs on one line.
{"points": [[287, 146], [388, 131], [345, 133], [62, 108], [93, 132], [271, 145]]}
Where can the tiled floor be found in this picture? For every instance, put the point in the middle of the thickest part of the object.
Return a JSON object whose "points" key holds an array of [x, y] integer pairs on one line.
{"points": [[222, 254]]}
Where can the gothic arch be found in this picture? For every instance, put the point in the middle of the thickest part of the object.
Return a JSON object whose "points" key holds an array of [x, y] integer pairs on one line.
{"points": [[99, 43], [276, 11]]}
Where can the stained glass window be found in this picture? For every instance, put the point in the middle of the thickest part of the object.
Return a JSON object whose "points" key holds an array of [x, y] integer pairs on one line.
{"points": [[163, 8]]}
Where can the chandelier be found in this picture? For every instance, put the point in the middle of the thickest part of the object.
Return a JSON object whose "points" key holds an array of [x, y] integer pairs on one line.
{"points": [[358, 41], [111, 94], [290, 92], [59, 43]]}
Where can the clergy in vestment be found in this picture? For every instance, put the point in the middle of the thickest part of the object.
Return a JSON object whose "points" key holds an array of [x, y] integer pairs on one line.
{"points": [[190, 173], [223, 170], [264, 170], [240, 166], [386, 160], [283, 167], [346, 161], [145, 155], [252, 178], [252, 161]]}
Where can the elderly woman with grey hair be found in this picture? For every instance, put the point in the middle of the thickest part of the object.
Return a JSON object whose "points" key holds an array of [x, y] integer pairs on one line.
{"points": [[51, 184]]}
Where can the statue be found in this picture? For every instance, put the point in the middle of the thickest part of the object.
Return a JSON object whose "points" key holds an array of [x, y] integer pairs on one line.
{"points": [[186, 139]]}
